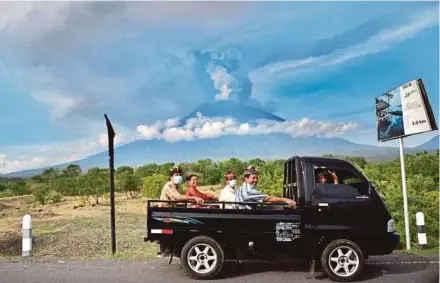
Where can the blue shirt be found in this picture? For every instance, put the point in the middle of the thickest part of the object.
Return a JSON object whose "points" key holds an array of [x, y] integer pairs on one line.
{"points": [[246, 193]]}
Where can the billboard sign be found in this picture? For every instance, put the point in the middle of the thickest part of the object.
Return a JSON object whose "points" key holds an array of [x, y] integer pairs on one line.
{"points": [[404, 111]]}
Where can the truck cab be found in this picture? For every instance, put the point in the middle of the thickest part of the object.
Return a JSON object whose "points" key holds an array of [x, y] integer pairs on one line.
{"points": [[339, 221], [351, 206]]}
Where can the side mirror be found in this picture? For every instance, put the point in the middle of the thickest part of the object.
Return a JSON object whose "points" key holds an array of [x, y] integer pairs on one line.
{"points": [[370, 187]]}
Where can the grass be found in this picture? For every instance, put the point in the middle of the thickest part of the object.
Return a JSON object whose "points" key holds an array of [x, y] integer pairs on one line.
{"points": [[419, 251]]}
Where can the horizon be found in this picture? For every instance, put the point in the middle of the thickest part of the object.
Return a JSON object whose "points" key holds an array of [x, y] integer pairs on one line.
{"points": [[148, 65]]}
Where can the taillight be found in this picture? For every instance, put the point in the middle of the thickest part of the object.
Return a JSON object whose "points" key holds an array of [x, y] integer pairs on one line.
{"points": [[391, 227], [162, 231]]}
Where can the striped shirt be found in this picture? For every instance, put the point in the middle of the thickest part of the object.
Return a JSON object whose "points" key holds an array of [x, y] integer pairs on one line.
{"points": [[246, 193]]}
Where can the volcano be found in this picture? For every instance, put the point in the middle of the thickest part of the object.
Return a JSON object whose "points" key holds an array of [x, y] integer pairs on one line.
{"points": [[245, 147], [242, 113]]}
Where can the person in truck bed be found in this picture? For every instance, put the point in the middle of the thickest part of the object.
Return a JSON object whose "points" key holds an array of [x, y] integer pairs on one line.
{"points": [[170, 191], [249, 193], [191, 190], [228, 192]]}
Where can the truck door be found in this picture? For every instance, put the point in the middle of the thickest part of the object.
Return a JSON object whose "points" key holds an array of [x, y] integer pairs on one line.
{"points": [[342, 203]]}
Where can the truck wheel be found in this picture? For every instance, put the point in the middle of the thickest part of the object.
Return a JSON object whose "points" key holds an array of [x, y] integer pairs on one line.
{"points": [[342, 260], [202, 257]]}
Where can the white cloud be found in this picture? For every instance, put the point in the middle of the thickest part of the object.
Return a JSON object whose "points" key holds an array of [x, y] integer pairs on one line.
{"points": [[176, 134], [172, 122], [40, 155], [148, 132], [203, 128], [36, 156], [32, 19]]}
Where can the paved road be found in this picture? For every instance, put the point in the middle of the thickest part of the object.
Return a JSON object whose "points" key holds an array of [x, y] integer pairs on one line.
{"points": [[389, 269]]}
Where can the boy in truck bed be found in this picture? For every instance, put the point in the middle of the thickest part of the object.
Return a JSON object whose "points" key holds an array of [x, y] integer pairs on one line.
{"points": [[249, 193]]}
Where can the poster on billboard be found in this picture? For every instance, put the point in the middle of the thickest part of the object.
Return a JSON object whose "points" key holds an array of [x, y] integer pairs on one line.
{"points": [[404, 111]]}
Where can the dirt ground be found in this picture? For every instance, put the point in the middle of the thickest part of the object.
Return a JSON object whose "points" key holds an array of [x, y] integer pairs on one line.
{"points": [[65, 230]]}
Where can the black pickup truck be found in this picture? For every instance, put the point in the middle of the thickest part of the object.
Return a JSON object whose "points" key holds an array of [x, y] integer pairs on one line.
{"points": [[339, 225]]}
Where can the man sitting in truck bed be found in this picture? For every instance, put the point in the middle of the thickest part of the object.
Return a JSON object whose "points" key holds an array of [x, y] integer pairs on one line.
{"points": [[170, 189], [248, 193]]}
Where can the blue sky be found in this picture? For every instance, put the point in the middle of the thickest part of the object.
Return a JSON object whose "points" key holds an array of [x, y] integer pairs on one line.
{"points": [[64, 64]]}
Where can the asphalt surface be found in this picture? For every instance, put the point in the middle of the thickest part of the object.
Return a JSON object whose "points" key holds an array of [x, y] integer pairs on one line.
{"points": [[399, 268]]}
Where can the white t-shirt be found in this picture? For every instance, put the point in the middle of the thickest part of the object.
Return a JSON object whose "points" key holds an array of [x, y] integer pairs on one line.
{"points": [[227, 194]]}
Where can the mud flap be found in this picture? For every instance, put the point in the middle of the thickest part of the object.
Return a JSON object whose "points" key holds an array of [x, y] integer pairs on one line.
{"points": [[314, 255], [172, 255]]}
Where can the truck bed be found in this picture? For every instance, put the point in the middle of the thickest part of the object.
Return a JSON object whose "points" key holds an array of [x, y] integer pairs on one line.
{"points": [[266, 224]]}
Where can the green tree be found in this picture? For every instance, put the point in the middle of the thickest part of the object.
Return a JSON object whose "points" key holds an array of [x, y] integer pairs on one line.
{"points": [[422, 189], [71, 171], [257, 162], [271, 177], [129, 183], [148, 170], [18, 188], [233, 164], [41, 193], [50, 174], [165, 168], [124, 169], [210, 173], [152, 185], [96, 183]]}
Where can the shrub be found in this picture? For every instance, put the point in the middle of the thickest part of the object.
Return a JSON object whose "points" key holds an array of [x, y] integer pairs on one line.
{"points": [[54, 196], [41, 194], [152, 185]]}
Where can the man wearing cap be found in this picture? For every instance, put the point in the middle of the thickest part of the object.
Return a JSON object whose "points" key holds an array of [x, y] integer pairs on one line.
{"points": [[248, 193], [170, 189], [170, 192]]}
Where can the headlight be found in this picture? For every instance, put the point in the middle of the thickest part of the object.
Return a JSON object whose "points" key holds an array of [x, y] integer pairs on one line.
{"points": [[391, 227]]}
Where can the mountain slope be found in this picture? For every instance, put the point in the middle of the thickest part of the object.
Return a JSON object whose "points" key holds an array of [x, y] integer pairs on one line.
{"points": [[244, 147], [228, 108], [431, 145]]}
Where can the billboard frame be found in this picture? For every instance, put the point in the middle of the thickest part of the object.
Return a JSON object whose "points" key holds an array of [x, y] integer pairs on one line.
{"points": [[427, 109]]}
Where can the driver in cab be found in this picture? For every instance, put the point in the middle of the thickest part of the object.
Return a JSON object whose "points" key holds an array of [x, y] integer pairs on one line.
{"points": [[323, 177]]}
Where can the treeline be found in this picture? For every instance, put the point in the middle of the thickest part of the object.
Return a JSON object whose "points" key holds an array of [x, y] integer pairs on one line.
{"points": [[422, 170]]}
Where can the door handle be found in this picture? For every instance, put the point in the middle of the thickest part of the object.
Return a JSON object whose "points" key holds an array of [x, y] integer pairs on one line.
{"points": [[362, 197], [322, 205]]}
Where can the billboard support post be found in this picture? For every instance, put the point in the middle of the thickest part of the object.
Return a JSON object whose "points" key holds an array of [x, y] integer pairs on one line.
{"points": [[405, 198]]}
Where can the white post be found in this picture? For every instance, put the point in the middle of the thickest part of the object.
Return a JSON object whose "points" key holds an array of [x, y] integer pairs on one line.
{"points": [[405, 198], [421, 232], [27, 235]]}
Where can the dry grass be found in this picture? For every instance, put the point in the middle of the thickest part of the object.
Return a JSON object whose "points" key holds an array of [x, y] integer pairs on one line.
{"points": [[60, 231]]}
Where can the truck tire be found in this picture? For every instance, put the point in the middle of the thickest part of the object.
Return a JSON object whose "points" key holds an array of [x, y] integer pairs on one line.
{"points": [[342, 260], [202, 257]]}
